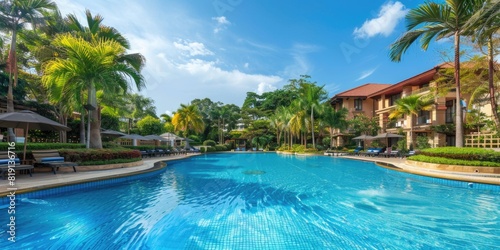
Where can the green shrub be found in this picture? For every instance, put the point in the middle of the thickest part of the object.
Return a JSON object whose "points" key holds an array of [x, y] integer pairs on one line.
{"points": [[203, 150], [114, 161], [442, 160], [471, 154], [211, 149], [209, 143], [220, 148], [91, 155], [423, 142]]}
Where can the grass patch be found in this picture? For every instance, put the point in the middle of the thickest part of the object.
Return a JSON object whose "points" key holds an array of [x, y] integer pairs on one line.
{"points": [[448, 161]]}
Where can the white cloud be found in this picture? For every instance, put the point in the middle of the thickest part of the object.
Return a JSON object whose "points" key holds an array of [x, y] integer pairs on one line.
{"points": [[222, 23], [366, 74], [265, 87], [246, 65], [221, 20], [193, 48], [388, 17]]}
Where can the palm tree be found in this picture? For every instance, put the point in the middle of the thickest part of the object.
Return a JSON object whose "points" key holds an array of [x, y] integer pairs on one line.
{"points": [[310, 98], [89, 65], [188, 118], [16, 15], [485, 23], [95, 31], [410, 106], [334, 119], [439, 20]]}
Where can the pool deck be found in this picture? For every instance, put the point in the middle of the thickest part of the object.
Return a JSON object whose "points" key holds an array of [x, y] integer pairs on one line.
{"points": [[400, 164], [44, 180]]}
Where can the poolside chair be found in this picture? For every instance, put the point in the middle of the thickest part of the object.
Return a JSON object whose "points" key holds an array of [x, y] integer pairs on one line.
{"points": [[357, 150], [410, 153], [17, 166], [52, 159]]}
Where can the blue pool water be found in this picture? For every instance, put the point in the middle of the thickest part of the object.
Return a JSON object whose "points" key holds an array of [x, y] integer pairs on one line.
{"points": [[262, 201]]}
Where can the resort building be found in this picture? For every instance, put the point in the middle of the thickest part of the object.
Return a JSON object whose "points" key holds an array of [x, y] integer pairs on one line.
{"points": [[356, 101], [379, 100]]}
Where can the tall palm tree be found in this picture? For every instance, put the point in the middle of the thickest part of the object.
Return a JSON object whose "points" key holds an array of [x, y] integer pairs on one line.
{"points": [[439, 20], [485, 23], [95, 31], [310, 98], [334, 119], [15, 16], [89, 65], [188, 118], [411, 106]]}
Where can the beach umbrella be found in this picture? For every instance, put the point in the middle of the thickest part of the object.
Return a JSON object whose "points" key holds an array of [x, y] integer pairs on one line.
{"points": [[135, 137], [29, 120], [171, 137], [363, 138], [112, 133], [387, 136], [156, 138]]}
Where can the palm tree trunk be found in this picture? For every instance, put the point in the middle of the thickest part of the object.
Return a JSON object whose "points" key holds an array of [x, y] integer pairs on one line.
{"points": [[95, 129], [491, 84], [12, 63], [312, 126], [459, 117], [82, 127]]}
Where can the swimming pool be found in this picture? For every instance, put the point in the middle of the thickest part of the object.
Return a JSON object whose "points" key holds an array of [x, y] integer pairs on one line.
{"points": [[263, 201]]}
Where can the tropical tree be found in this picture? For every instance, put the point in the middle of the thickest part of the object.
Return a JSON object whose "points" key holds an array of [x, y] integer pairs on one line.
{"points": [[439, 20], [411, 106], [188, 118], [94, 32], [90, 65], [16, 15], [484, 24], [334, 119], [149, 125]]}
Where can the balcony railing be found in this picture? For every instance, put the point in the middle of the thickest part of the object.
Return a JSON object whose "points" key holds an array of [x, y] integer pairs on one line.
{"points": [[421, 90], [423, 120]]}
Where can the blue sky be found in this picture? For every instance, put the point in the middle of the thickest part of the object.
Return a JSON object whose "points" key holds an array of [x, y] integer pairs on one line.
{"points": [[222, 49]]}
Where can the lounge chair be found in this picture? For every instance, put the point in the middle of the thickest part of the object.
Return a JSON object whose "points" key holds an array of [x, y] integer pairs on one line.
{"points": [[52, 159], [4, 166], [410, 153], [357, 150], [374, 152]]}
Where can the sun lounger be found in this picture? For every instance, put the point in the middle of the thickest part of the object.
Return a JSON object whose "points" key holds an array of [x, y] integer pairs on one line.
{"points": [[4, 166], [52, 159]]}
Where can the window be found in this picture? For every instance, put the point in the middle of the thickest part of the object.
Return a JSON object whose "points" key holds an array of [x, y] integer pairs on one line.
{"points": [[358, 104], [450, 111], [393, 99], [424, 117]]}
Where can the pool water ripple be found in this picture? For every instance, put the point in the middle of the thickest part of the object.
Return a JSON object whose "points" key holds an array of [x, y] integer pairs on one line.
{"points": [[208, 202]]}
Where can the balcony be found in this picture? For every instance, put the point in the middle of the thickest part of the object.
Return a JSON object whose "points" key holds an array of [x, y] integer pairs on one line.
{"points": [[423, 120], [394, 124], [420, 91]]}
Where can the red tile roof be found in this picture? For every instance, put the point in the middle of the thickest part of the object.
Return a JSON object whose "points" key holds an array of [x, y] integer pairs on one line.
{"points": [[363, 90], [419, 79]]}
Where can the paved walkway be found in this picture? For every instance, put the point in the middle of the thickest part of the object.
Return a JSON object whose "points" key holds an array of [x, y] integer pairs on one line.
{"points": [[42, 180], [401, 165]]}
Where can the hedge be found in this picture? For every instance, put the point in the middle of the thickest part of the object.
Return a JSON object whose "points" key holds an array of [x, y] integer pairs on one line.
{"points": [[4, 146], [447, 161], [98, 155], [209, 143], [466, 154]]}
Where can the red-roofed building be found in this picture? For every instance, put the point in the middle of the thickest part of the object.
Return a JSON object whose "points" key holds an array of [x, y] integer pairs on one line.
{"points": [[378, 100], [356, 101]]}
